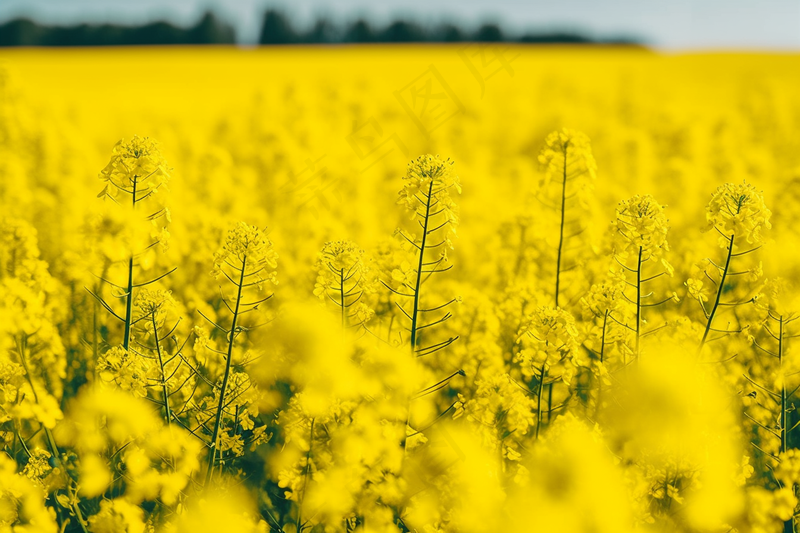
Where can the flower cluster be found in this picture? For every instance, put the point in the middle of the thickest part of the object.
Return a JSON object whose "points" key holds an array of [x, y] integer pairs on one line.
{"points": [[128, 370], [38, 466], [427, 194], [640, 224], [738, 211], [23, 507], [549, 339], [497, 406], [248, 251], [241, 406], [153, 307], [344, 277], [543, 385], [117, 515], [602, 298], [337, 257], [137, 167], [566, 155], [778, 297]]}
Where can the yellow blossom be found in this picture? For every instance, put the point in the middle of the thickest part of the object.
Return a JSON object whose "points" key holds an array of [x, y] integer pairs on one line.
{"points": [[135, 165], [738, 211]]}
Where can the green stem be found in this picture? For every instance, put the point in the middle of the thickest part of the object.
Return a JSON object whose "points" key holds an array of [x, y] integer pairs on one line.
{"points": [[602, 360], [603, 337], [788, 525], [638, 303], [415, 311], [51, 441], [129, 295], [419, 269], [719, 295], [784, 434], [539, 402], [76, 508], [305, 480], [231, 336], [521, 251], [95, 340], [561, 228], [163, 374], [341, 299]]}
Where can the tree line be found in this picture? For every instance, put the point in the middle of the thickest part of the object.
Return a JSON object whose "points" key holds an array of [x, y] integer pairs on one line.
{"points": [[276, 29]]}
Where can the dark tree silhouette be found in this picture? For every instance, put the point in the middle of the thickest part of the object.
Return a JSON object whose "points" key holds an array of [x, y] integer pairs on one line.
{"points": [[211, 30], [449, 33], [489, 33], [276, 29], [401, 31], [555, 37], [359, 32], [322, 32], [23, 32]]}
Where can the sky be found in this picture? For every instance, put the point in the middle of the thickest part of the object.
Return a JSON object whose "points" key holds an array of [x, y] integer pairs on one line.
{"points": [[666, 24]]}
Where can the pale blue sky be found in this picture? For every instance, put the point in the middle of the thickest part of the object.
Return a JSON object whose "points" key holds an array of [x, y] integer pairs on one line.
{"points": [[669, 24]]}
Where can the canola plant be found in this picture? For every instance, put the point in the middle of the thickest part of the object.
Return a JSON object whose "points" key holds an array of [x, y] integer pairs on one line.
{"points": [[474, 288]]}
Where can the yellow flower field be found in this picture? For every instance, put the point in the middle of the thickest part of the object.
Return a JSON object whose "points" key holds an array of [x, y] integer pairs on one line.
{"points": [[469, 288]]}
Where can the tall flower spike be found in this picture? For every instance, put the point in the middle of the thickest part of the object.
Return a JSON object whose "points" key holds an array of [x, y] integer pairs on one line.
{"points": [[426, 193], [427, 188], [607, 303], [772, 424], [342, 278], [135, 173], [640, 231], [568, 163], [430, 175], [738, 214], [569, 152], [246, 259], [549, 338], [153, 307]]}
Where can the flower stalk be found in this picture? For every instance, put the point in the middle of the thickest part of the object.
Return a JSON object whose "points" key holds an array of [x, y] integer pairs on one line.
{"points": [[226, 376]]}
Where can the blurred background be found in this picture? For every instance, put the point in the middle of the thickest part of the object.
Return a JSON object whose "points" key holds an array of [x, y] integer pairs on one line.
{"points": [[669, 25]]}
